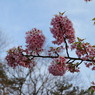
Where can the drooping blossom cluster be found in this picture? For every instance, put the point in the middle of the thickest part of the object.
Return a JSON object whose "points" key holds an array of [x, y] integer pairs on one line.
{"points": [[73, 67], [62, 29], [58, 66], [35, 40], [16, 57], [84, 50], [90, 64]]}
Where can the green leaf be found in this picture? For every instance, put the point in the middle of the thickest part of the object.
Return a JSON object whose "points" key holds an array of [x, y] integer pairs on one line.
{"points": [[93, 46], [77, 63], [93, 19], [79, 46], [51, 47], [92, 92], [62, 13], [57, 48], [79, 39], [75, 43], [93, 63]]}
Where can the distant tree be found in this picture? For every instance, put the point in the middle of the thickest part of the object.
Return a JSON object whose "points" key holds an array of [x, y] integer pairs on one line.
{"points": [[35, 81], [65, 88]]}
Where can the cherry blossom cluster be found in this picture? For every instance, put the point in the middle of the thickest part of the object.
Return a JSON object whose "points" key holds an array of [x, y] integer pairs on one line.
{"points": [[90, 64], [73, 67], [58, 66], [63, 32], [62, 29], [35, 40], [16, 57], [84, 50]]}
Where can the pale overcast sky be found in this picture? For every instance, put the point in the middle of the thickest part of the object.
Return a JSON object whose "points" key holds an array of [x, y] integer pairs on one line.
{"points": [[20, 16]]}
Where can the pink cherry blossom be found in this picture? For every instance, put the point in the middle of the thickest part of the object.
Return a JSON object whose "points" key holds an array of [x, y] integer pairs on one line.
{"points": [[16, 57], [93, 68], [62, 29], [58, 66], [88, 64], [84, 50], [35, 40], [73, 68]]}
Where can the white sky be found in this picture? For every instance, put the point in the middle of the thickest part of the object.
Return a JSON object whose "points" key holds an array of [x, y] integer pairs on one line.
{"points": [[20, 16]]}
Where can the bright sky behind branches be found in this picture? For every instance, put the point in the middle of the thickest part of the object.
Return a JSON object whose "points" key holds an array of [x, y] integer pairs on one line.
{"points": [[20, 16]]}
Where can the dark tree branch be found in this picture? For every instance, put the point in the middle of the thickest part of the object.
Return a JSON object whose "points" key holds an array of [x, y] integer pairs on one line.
{"points": [[66, 46]]}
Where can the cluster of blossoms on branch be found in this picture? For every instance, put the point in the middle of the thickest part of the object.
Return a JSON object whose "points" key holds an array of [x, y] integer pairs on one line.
{"points": [[64, 34], [16, 57], [58, 66], [85, 51], [35, 40], [62, 29]]}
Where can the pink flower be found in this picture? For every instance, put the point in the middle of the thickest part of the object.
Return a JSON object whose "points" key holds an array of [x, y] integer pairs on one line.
{"points": [[16, 57], [84, 50], [88, 64], [93, 88], [62, 29], [93, 68], [35, 40], [73, 68], [58, 67]]}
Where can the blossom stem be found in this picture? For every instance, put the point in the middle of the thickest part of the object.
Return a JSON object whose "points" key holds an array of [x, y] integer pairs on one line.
{"points": [[66, 46]]}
